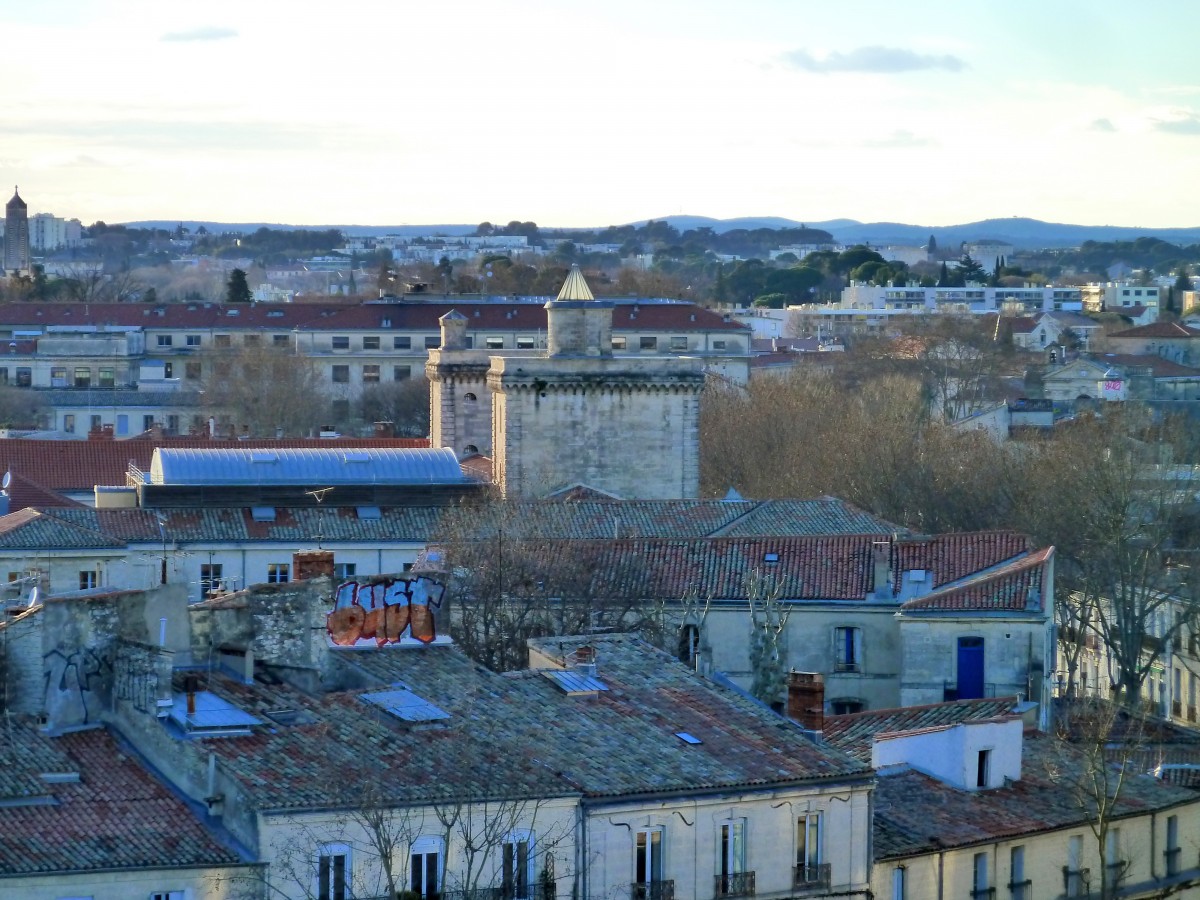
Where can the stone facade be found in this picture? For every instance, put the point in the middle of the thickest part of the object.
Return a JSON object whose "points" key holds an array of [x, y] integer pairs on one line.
{"points": [[574, 415]]}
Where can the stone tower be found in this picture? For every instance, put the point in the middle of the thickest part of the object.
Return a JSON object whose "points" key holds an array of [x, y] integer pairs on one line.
{"points": [[460, 406], [578, 415], [16, 235]]}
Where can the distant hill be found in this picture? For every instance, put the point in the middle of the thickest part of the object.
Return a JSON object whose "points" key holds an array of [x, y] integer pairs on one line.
{"points": [[1022, 233]]}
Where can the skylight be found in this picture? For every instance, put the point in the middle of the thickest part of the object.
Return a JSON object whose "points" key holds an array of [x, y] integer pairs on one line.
{"points": [[263, 513], [370, 512], [404, 704], [575, 682], [688, 738], [213, 715]]}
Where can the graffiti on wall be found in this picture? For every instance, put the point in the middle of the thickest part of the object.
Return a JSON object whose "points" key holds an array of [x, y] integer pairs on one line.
{"points": [[136, 681], [75, 684], [388, 612]]}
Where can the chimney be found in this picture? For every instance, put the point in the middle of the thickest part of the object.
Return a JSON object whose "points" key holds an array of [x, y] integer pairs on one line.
{"points": [[384, 430], [309, 564], [806, 699], [883, 569], [190, 686]]}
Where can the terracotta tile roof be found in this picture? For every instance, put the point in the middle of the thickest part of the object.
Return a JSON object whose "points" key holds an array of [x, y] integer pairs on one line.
{"points": [[516, 735], [855, 733], [116, 816], [1159, 367], [422, 316], [915, 813], [1017, 585], [952, 557], [80, 465], [826, 567], [1022, 324], [24, 492], [1158, 330], [31, 529]]}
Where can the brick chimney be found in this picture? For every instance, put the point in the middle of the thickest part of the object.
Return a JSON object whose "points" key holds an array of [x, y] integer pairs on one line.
{"points": [[308, 564], [384, 430], [806, 699]]}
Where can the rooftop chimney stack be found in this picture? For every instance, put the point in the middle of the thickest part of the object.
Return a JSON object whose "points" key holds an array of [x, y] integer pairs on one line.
{"points": [[806, 699]]}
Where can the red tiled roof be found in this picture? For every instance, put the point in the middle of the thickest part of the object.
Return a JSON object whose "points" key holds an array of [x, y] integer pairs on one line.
{"points": [[514, 316], [854, 733], [24, 493], [954, 556], [80, 465], [415, 315], [821, 567], [1159, 367], [915, 813], [1158, 330], [1022, 324], [117, 816], [1013, 586]]}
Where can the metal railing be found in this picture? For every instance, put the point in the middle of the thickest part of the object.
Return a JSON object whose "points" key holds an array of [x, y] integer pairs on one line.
{"points": [[950, 691], [1020, 890], [983, 893], [652, 890], [1075, 881], [735, 884], [1172, 859], [810, 877]]}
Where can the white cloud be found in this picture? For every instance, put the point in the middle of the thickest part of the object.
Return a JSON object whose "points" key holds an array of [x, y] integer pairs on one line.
{"points": [[876, 59], [206, 33]]}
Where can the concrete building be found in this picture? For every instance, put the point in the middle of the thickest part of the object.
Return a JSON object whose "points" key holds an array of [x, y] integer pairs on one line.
{"points": [[48, 233], [279, 726], [16, 235], [969, 803]]}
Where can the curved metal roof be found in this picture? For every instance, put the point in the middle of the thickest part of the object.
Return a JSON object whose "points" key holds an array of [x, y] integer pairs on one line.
{"points": [[308, 467]]}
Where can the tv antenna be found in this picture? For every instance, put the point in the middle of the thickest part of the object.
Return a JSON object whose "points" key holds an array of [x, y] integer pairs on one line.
{"points": [[318, 494]]}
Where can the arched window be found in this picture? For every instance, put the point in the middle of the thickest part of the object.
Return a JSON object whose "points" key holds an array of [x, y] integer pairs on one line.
{"points": [[470, 397], [470, 448]]}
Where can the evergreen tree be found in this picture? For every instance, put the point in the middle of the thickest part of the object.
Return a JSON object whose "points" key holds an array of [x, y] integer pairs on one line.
{"points": [[237, 290], [931, 247], [944, 277]]}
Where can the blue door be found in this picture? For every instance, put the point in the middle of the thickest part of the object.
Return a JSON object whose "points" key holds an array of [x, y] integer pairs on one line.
{"points": [[970, 668]]}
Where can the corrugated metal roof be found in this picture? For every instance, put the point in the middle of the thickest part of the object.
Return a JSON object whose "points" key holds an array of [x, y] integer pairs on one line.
{"points": [[316, 467]]}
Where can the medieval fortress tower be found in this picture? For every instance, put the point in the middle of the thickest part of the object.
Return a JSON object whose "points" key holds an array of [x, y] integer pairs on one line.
{"points": [[573, 415]]}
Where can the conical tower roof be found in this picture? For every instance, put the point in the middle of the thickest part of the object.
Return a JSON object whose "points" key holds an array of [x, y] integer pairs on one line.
{"points": [[576, 286], [17, 203]]}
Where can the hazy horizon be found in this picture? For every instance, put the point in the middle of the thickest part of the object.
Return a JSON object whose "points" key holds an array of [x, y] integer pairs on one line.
{"points": [[583, 115]]}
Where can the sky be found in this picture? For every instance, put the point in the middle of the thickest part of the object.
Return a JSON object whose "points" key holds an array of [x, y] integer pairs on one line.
{"points": [[581, 114]]}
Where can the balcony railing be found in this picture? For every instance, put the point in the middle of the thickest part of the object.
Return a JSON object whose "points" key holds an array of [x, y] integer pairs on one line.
{"points": [[735, 884], [809, 878], [1075, 881], [1191, 715], [652, 890], [504, 892], [1020, 890], [1172, 859], [846, 667], [1116, 872], [987, 893], [950, 691]]}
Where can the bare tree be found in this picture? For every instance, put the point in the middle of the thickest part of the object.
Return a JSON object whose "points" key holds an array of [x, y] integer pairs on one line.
{"points": [[768, 650], [265, 391], [509, 581], [1098, 750], [403, 403]]}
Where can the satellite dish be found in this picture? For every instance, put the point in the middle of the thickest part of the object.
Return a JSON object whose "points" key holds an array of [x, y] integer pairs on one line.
{"points": [[33, 597], [6, 481]]}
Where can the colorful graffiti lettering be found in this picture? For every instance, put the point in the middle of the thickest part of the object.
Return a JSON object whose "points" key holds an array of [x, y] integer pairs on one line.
{"points": [[385, 612]]}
